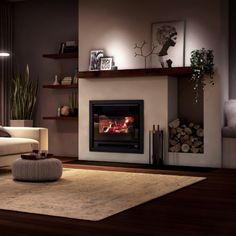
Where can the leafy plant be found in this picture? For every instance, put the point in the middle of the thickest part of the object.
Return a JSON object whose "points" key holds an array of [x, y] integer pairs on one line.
{"points": [[73, 103], [202, 66], [23, 96]]}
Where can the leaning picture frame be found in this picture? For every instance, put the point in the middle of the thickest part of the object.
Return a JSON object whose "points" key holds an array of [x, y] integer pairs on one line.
{"points": [[95, 56], [168, 38], [106, 63]]}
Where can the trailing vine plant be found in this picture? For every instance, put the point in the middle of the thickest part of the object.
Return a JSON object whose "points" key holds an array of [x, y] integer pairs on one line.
{"points": [[202, 67]]}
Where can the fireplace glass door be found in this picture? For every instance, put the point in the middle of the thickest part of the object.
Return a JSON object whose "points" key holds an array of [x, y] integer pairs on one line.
{"points": [[116, 126]]}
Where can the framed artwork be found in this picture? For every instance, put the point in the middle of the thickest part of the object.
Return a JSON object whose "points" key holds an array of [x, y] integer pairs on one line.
{"points": [[106, 63], [168, 38], [95, 56]]}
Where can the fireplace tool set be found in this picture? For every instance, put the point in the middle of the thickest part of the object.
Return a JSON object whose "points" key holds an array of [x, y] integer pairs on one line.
{"points": [[156, 146]]}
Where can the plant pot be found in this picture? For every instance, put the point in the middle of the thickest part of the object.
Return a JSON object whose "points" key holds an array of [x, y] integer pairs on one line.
{"points": [[21, 123]]}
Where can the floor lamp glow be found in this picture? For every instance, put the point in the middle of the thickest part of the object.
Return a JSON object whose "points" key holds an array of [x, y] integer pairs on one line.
{"points": [[4, 54]]}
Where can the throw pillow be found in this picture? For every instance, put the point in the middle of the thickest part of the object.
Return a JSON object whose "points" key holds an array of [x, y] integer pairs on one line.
{"points": [[230, 113], [4, 133]]}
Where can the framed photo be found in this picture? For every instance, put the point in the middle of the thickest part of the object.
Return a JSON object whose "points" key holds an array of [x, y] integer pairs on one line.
{"points": [[168, 38], [106, 63], [95, 56]]}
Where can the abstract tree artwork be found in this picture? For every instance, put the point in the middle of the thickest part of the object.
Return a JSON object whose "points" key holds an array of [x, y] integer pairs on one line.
{"points": [[139, 51], [169, 40]]}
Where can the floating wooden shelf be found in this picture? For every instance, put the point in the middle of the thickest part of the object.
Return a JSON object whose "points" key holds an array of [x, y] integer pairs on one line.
{"points": [[60, 118], [175, 72], [61, 86], [62, 56]]}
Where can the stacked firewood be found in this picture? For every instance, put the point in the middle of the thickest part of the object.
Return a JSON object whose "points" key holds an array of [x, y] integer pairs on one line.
{"points": [[185, 137]]}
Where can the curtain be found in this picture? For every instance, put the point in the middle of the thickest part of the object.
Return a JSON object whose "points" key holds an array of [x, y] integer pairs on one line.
{"points": [[5, 62]]}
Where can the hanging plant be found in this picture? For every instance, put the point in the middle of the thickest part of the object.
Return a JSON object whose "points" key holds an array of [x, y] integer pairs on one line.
{"points": [[202, 67]]}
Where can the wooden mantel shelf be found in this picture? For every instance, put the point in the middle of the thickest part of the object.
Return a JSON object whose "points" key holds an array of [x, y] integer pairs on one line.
{"points": [[62, 56], [175, 71]]}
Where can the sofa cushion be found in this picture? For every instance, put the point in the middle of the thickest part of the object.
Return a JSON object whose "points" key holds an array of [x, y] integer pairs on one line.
{"points": [[10, 146], [230, 113], [4, 133]]}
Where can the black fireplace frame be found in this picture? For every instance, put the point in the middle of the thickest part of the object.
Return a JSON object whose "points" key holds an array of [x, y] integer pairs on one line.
{"points": [[116, 147]]}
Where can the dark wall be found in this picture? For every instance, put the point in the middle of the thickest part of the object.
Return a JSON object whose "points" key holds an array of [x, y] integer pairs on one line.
{"points": [[188, 109], [232, 49], [39, 28]]}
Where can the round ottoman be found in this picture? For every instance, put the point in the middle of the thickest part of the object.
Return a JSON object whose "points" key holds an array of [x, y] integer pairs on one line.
{"points": [[48, 169]]}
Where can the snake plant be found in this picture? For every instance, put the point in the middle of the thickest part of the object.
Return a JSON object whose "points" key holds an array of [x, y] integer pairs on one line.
{"points": [[23, 96]]}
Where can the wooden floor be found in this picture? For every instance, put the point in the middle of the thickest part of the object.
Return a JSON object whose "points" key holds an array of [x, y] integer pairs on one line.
{"points": [[205, 208]]}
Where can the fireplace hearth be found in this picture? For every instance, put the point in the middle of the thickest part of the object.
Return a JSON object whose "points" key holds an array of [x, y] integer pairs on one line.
{"points": [[116, 126]]}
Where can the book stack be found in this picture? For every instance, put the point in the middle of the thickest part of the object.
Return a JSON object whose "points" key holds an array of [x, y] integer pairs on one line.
{"points": [[66, 80], [68, 47]]}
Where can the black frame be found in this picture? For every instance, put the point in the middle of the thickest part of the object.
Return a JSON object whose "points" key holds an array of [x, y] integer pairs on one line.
{"points": [[121, 147], [102, 62]]}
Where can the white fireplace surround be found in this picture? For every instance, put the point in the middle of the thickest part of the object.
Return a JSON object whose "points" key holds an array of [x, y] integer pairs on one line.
{"points": [[160, 106]]}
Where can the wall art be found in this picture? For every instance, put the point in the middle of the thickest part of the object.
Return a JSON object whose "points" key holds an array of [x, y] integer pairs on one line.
{"points": [[169, 41], [95, 57]]}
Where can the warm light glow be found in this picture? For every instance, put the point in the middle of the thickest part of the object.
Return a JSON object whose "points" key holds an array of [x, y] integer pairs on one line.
{"points": [[115, 124], [4, 54]]}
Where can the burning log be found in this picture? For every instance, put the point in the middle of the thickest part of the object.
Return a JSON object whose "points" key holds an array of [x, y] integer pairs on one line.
{"points": [[185, 137]]}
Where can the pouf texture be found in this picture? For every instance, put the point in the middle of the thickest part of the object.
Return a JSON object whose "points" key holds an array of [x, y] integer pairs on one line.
{"points": [[49, 169]]}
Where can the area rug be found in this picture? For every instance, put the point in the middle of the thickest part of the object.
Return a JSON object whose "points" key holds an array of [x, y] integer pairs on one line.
{"points": [[88, 194]]}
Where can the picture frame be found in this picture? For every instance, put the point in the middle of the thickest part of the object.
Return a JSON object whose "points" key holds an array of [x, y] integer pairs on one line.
{"points": [[106, 63], [95, 56], [168, 38]]}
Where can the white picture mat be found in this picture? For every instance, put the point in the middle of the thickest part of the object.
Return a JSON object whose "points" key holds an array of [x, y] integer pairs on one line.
{"points": [[106, 63]]}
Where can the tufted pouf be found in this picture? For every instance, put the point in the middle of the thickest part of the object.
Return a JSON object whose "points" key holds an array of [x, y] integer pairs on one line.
{"points": [[49, 169]]}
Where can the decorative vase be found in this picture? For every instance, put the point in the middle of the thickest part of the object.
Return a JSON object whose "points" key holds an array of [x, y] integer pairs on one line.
{"points": [[56, 82]]}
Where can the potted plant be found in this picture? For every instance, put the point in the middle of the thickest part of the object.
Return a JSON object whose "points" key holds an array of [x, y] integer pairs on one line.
{"points": [[202, 67], [73, 103], [23, 98]]}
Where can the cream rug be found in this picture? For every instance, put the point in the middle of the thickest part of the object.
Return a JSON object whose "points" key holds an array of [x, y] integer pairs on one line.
{"points": [[88, 194]]}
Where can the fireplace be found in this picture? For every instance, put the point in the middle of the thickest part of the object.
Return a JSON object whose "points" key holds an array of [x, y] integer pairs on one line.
{"points": [[116, 126]]}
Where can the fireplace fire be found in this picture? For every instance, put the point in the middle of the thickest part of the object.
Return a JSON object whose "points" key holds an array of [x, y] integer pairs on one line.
{"points": [[116, 126]]}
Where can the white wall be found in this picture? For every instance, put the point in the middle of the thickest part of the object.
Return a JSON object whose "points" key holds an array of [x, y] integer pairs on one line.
{"points": [[155, 96], [117, 26]]}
